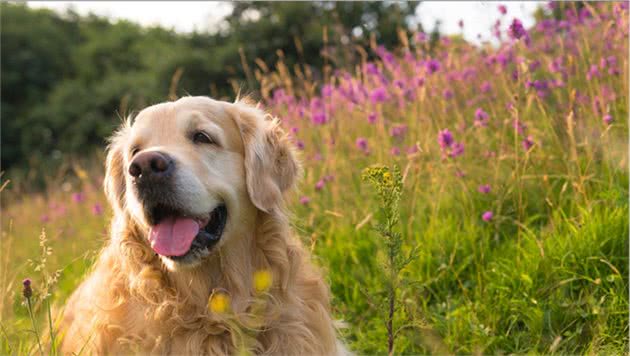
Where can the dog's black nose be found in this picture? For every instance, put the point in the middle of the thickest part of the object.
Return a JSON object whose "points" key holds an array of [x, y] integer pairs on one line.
{"points": [[150, 165]]}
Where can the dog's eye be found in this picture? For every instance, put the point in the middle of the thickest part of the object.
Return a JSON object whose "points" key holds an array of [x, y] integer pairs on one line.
{"points": [[134, 151], [202, 137]]}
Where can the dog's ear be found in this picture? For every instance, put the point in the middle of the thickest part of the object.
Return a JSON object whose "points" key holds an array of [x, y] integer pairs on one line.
{"points": [[114, 183], [271, 167]]}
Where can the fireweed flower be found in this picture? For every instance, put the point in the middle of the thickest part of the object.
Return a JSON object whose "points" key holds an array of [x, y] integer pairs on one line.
{"points": [[78, 197], [519, 126], [608, 119], [398, 131], [484, 188], [362, 144], [487, 216], [445, 139], [481, 118], [421, 37], [433, 65], [457, 150], [319, 118], [592, 72], [516, 30], [372, 118], [27, 292], [97, 209], [320, 184], [527, 143], [485, 87], [378, 95], [304, 200]]}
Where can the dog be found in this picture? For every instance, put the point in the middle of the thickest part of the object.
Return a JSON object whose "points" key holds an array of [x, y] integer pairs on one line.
{"points": [[197, 189]]}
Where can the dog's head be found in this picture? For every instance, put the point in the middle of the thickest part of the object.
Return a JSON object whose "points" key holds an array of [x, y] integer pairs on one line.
{"points": [[193, 174]]}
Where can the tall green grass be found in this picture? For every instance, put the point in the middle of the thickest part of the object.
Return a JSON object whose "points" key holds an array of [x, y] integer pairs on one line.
{"points": [[548, 273]]}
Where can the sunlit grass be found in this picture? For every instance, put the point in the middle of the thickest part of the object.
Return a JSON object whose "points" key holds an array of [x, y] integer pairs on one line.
{"points": [[546, 272]]}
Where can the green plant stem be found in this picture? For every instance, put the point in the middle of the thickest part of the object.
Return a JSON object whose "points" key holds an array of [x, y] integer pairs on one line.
{"points": [[50, 326], [30, 313]]}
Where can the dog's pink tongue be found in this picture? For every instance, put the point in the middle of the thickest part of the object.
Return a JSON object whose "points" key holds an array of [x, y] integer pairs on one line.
{"points": [[173, 236]]}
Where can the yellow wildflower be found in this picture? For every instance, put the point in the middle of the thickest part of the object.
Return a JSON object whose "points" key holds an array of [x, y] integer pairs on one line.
{"points": [[262, 280], [219, 302]]}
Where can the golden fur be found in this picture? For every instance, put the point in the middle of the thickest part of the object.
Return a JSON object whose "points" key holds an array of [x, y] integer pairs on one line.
{"points": [[135, 301]]}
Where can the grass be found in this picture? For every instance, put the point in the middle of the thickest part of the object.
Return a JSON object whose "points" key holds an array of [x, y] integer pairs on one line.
{"points": [[548, 273]]}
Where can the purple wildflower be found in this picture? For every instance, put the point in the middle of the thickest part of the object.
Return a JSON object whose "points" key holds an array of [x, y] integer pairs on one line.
{"points": [[608, 119], [481, 118], [412, 149], [519, 126], [484, 188], [447, 93], [485, 87], [398, 131], [299, 144], [320, 184], [445, 139], [378, 95], [516, 29], [372, 118], [527, 142], [421, 37], [592, 72], [44, 218], [395, 151], [433, 66], [457, 150], [502, 9], [304, 200], [97, 209], [362, 144], [27, 292], [319, 118], [78, 197], [487, 216]]}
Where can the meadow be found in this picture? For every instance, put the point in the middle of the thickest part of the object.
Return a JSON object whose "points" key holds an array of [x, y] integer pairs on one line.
{"points": [[513, 209]]}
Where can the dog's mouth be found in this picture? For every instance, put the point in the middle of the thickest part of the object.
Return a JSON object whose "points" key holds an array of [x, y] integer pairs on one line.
{"points": [[182, 237]]}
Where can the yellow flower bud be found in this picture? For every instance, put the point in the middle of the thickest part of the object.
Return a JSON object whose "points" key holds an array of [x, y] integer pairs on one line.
{"points": [[262, 280], [219, 302]]}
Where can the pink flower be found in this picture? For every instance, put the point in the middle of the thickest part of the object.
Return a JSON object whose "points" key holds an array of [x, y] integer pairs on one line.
{"points": [[487, 216], [527, 142], [608, 119], [445, 138], [78, 197], [320, 184], [395, 151], [372, 118], [502, 9], [97, 209], [304, 200], [484, 188], [457, 150], [362, 144]]}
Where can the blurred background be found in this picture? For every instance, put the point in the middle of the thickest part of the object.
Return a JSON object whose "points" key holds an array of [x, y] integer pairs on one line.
{"points": [[70, 70]]}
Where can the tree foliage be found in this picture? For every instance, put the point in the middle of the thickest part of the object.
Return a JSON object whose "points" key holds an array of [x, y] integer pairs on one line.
{"points": [[66, 79]]}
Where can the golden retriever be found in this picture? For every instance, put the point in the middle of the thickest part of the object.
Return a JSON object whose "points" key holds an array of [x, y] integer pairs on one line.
{"points": [[197, 188]]}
